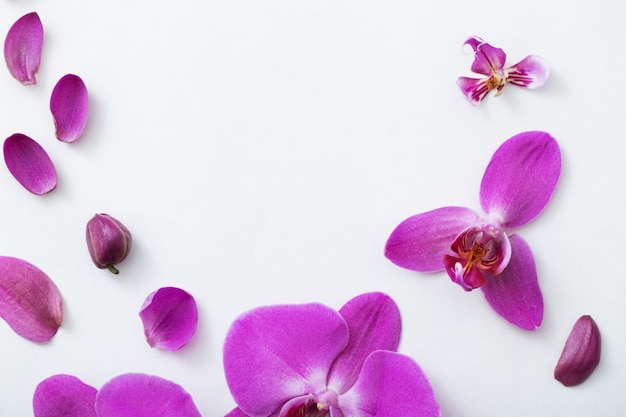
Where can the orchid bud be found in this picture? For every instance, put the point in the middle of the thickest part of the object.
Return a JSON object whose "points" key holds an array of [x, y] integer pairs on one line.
{"points": [[581, 353], [108, 241]]}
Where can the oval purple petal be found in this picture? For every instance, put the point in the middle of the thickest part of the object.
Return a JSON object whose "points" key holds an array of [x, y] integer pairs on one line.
{"points": [[581, 353], [29, 163], [139, 395], [64, 396], [29, 301], [22, 48], [170, 318], [521, 178], [69, 104]]}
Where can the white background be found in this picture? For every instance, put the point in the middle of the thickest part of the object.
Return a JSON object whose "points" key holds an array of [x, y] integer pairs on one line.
{"points": [[262, 152]]}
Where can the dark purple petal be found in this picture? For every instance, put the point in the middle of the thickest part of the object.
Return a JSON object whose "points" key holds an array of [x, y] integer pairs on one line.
{"points": [[29, 163], [22, 48], [170, 318], [581, 353], [108, 241], [488, 60], [475, 90], [420, 241], [374, 323], [29, 301], [531, 72], [273, 354], [390, 385], [64, 396], [69, 104], [140, 395], [515, 294], [520, 178]]}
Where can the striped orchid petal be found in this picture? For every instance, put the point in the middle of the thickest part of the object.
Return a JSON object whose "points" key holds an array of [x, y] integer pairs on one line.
{"points": [[22, 48], [69, 104], [29, 163]]}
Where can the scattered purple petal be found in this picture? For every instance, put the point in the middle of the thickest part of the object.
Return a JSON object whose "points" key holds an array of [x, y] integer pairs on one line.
{"points": [[581, 353], [69, 104], [29, 301], [170, 318], [64, 396], [108, 241], [29, 163], [139, 395], [22, 48]]}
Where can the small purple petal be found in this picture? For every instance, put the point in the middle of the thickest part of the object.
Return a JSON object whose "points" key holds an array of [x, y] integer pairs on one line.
{"points": [[515, 294], [22, 48], [236, 412], [488, 60], [170, 318], [69, 104], [29, 163], [390, 385], [140, 395], [29, 301], [273, 354], [374, 323], [64, 396], [420, 241], [531, 72], [581, 353], [520, 178], [475, 90]]}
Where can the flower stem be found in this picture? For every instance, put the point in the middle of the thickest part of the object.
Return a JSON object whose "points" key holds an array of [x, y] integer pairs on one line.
{"points": [[113, 269]]}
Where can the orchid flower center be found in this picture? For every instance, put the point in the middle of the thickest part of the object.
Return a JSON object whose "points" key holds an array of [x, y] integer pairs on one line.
{"points": [[477, 251], [313, 406]]}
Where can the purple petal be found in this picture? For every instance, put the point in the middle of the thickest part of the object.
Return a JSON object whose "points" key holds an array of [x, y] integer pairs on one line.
{"points": [[140, 395], [29, 301], [420, 241], [170, 318], [275, 353], [475, 90], [374, 323], [520, 178], [531, 72], [390, 385], [64, 396], [236, 412], [22, 48], [29, 163], [488, 60], [515, 294], [69, 104], [581, 353]]}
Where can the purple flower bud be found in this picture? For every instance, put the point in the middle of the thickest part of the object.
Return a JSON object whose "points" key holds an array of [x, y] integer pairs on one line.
{"points": [[581, 353], [108, 241]]}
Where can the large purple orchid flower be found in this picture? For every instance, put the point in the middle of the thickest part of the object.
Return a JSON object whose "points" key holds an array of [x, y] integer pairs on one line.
{"points": [[531, 72], [310, 360], [476, 250]]}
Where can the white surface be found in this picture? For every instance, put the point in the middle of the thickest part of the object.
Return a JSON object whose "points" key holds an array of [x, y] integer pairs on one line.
{"points": [[262, 151]]}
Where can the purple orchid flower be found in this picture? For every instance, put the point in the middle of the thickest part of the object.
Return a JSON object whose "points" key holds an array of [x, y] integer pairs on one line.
{"points": [[476, 250], [310, 360], [531, 72]]}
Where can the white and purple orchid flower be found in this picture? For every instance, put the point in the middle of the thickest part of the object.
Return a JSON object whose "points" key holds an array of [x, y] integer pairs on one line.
{"points": [[310, 360], [531, 72], [476, 250]]}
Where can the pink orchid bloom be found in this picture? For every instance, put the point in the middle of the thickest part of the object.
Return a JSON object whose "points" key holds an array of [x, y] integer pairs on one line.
{"points": [[477, 250], [531, 72], [310, 360]]}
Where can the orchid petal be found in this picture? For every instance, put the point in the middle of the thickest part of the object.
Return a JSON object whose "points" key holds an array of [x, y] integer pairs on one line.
{"points": [[581, 353], [531, 72], [236, 412], [69, 104], [275, 353], [374, 323], [487, 59], [140, 395], [390, 385], [520, 178], [475, 90], [22, 48], [29, 301], [420, 241], [515, 294], [64, 396], [170, 318], [29, 163]]}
